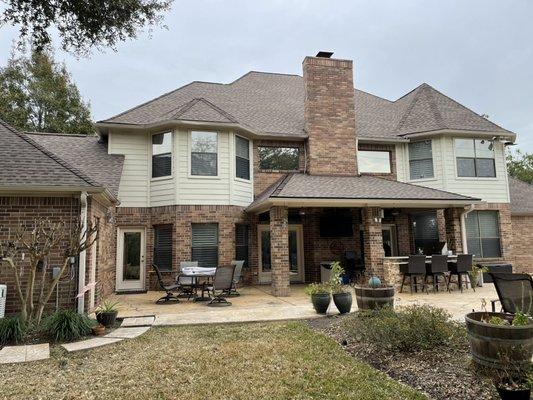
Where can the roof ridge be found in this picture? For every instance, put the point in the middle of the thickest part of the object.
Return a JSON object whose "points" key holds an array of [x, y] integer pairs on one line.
{"points": [[410, 107], [51, 155], [60, 134], [281, 184], [263, 73], [433, 105], [373, 95], [210, 104]]}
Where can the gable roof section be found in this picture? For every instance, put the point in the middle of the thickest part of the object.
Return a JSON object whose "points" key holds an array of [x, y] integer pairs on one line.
{"points": [[358, 188], [273, 104], [521, 194], [87, 153], [23, 163]]}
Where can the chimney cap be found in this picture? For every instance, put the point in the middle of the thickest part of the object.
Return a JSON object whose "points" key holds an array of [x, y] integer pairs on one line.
{"points": [[324, 54]]}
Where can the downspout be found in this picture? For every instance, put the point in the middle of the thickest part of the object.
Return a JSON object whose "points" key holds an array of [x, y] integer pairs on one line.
{"points": [[83, 254], [463, 227]]}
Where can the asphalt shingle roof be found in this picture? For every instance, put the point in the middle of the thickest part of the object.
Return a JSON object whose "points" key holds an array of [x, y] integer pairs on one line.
{"points": [[87, 154], [23, 162], [273, 104], [521, 194]]}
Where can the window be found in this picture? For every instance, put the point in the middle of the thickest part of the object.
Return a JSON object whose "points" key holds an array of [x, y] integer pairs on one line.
{"points": [[475, 158], [426, 232], [242, 158], [420, 160], [205, 244], [374, 161], [204, 149], [483, 234], [279, 158], [163, 247], [161, 154], [241, 243]]}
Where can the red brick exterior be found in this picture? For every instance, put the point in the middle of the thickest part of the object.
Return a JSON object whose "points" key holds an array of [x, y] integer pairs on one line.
{"points": [[373, 241], [522, 239], [452, 219], [330, 116], [181, 217], [279, 251]]}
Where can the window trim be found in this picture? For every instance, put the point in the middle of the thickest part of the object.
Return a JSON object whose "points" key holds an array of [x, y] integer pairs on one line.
{"points": [[250, 160], [172, 161], [277, 170], [480, 238], [434, 177], [376, 151], [189, 156], [475, 178]]}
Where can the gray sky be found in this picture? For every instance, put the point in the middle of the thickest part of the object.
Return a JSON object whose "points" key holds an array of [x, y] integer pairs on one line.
{"points": [[477, 52]]}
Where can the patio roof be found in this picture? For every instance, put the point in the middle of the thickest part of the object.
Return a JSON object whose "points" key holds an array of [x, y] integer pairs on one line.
{"points": [[302, 190]]}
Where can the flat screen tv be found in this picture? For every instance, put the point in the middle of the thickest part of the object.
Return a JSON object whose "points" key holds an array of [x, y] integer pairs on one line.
{"points": [[336, 225]]}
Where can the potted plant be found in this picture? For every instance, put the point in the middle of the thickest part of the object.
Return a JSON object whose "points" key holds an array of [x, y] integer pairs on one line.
{"points": [[476, 276], [341, 297], [373, 293], [106, 313], [512, 381], [320, 296], [98, 330]]}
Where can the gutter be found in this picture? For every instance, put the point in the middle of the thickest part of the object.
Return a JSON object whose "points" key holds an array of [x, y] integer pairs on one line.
{"points": [[467, 210], [82, 264]]}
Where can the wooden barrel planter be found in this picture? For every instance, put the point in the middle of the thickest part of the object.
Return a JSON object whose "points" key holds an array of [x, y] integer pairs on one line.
{"points": [[488, 342], [371, 298]]}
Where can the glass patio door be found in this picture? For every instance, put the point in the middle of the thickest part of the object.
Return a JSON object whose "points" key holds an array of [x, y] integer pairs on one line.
{"points": [[130, 259], [295, 253]]}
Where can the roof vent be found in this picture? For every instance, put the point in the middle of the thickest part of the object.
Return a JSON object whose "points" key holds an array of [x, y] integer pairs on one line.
{"points": [[324, 54]]}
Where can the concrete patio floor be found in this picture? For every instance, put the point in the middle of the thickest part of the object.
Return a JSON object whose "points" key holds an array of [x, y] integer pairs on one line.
{"points": [[257, 304]]}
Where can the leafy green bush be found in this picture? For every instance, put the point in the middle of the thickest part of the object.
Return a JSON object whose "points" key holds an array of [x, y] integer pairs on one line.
{"points": [[410, 328], [67, 325], [317, 288], [11, 330]]}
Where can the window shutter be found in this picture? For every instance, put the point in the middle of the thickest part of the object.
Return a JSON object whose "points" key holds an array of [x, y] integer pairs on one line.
{"points": [[163, 247], [205, 244]]}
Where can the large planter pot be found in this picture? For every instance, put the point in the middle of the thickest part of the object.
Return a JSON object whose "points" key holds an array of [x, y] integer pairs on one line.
{"points": [[371, 298], [506, 394], [343, 302], [489, 342], [321, 302], [107, 319]]}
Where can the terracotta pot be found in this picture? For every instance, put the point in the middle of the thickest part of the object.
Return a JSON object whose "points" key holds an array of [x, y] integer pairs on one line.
{"points": [[98, 330]]}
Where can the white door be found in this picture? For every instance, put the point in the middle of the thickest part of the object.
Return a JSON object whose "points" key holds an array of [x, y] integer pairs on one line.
{"points": [[296, 254], [390, 242], [130, 259]]}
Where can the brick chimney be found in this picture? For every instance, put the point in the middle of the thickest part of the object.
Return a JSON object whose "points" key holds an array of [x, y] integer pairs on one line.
{"points": [[330, 115]]}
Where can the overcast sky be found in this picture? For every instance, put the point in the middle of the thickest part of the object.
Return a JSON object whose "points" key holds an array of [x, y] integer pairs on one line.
{"points": [[477, 52]]}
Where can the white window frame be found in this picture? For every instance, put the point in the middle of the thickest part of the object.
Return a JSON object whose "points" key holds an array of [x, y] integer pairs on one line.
{"points": [[189, 151], [408, 158], [474, 178], [250, 159], [172, 161]]}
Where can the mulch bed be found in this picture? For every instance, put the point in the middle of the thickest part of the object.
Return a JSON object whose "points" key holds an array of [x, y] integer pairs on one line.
{"points": [[442, 374]]}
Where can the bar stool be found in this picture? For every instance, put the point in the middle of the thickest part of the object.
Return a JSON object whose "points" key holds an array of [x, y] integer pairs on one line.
{"points": [[438, 267], [460, 269], [416, 268]]}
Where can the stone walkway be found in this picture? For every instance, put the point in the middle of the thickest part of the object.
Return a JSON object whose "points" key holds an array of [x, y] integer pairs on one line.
{"points": [[30, 352]]}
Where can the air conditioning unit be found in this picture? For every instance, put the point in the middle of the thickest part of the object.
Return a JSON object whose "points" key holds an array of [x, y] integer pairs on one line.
{"points": [[3, 296]]}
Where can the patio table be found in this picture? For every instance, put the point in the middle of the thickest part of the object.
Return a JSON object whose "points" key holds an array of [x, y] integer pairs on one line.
{"points": [[195, 273]]}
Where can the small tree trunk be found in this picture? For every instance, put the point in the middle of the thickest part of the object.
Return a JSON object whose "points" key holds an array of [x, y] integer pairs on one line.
{"points": [[44, 300]]}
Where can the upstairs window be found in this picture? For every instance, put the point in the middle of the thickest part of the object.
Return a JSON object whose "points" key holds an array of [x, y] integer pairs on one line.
{"points": [[161, 154], [421, 160], [242, 158], [163, 247], [475, 158], [279, 158], [373, 161], [204, 153], [205, 245], [483, 234]]}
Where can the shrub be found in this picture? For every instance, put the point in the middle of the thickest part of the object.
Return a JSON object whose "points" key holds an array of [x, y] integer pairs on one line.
{"points": [[410, 328], [317, 288], [67, 325], [11, 330]]}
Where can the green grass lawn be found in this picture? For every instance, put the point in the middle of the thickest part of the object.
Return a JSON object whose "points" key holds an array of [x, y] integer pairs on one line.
{"points": [[252, 361]]}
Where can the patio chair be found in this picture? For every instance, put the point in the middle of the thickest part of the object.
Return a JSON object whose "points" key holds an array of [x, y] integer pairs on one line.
{"points": [[416, 268], [461, 269], [187, 283], [169, 289], [438, 267], [222, 284], [515, 292], [237, 264]]}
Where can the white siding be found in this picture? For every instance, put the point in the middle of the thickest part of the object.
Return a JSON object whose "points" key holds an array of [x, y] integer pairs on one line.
{"points": [[137, 189], [494, 190]]}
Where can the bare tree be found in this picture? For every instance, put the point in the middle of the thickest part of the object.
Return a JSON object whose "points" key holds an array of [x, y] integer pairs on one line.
{"points": [[39, 242]]}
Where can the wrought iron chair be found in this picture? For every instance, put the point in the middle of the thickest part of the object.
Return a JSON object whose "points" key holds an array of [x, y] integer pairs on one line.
{"points": [[515, 292], [187, 283], [169, 289], [416, 268], [222, 284], [438, 267], [461, 269], [238, 264]]}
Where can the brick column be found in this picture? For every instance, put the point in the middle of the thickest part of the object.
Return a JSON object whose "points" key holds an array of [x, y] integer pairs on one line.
{"points": [[279, 250], [452, 217], [373, 241]]}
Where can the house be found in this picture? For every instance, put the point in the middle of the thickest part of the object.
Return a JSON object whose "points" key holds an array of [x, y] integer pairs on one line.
{"points": [[287, 172]]}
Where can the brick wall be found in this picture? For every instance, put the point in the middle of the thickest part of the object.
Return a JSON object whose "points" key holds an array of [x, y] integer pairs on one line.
{"points": [[522, 238], [27, 210], [181, 217], [452, 217], [330, 116], [279, 244], [392, 156], [373, 242]]}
